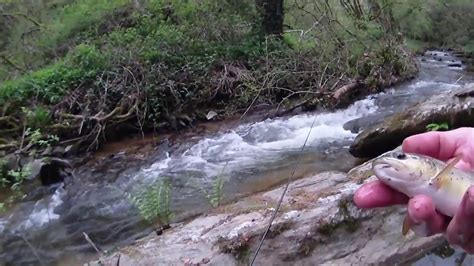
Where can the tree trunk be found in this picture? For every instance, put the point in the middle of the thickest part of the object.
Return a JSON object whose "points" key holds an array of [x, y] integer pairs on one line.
{"points": [[271, 16]]}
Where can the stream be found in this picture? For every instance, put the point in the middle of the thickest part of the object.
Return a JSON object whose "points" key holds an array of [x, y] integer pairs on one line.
{"points": [[49, 226]]}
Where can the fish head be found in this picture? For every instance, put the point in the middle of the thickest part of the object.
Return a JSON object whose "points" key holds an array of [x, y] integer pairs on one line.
{"points": [[404, 171]]}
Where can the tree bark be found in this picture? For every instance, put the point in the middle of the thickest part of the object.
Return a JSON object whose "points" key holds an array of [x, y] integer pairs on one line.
{"points": [[272, 16]]}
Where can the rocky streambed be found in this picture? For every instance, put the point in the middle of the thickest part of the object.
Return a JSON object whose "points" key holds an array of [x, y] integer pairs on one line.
{"points": [[318, 224]]}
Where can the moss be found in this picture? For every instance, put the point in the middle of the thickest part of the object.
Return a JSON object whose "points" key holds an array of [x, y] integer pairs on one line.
{"points": [[348, 223], [279, 228], [306, 246], [238, 247], [443, 251]]}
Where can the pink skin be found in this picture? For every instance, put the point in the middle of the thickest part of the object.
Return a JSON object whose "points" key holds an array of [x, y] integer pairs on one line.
{"points": [[425, 219]]}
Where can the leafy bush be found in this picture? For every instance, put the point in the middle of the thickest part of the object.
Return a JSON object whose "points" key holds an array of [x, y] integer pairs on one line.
{"points": [[439, 23], [38, 117], [49, 84], [76, 17]]}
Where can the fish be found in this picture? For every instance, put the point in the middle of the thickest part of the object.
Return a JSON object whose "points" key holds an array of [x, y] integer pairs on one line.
{"points": [[414, 174]]}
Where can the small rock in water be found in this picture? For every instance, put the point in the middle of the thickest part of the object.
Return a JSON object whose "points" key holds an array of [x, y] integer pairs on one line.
{"points": [[35, 168], [455, 65], [210, 115]]}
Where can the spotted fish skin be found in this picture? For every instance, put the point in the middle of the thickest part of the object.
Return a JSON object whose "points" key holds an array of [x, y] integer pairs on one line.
{"points": [[414, 174]]}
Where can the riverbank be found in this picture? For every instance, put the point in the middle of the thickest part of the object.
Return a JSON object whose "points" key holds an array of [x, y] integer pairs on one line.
{"points": [[158, 76]]}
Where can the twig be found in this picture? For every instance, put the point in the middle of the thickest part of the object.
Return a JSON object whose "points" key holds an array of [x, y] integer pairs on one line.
{"points": [[32, 249], [276, 113], [92, 244]]}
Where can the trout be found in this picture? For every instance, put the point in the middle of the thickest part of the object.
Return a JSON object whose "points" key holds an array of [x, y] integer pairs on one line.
{"points": [[413, 174]]}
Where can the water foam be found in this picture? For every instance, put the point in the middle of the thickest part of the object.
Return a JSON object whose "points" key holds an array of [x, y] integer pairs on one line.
{"points": [[3, 224], [43, 211], [251, 145]]}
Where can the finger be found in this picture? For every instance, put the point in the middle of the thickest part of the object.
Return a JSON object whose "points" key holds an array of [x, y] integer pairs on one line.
{"points": [[441, 145], [424, 219], [461, 229], [469, 247], [377, 194]]}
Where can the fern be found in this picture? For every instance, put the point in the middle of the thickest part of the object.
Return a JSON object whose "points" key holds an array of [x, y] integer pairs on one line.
{"points": [[154, 203], [216, 196]]}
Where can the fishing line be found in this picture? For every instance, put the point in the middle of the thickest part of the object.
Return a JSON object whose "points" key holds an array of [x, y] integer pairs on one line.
{"points": [[282, 196]]}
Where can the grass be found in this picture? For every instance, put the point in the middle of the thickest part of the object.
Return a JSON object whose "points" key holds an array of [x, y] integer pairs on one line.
{"points": [[77, 17], [416, 46], [50, 83]]}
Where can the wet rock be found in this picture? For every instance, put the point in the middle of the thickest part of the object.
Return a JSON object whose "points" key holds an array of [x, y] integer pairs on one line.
{"points": [[210, 115], [359, 124], [317, 224], [48, 170], [11, 161], [34, 168], [456, 111], [455, 65]]}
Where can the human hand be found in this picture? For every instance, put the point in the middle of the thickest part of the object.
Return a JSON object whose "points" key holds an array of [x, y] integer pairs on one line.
{"points": [[424, 218]]}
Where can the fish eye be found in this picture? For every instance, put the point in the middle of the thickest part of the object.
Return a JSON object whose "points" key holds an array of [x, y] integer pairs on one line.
{"points": [[401, 156]]}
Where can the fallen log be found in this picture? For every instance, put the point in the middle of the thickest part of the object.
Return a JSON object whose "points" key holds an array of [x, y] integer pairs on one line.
{"points": [[339, 93]]}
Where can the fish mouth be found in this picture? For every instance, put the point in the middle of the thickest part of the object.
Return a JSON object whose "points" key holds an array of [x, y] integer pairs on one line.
{"points": [[380, 166], [386, 168], [387, 162]]}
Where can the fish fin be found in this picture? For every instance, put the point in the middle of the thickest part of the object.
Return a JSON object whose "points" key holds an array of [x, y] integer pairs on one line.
{"points": [[406, 226], [442, 177]]}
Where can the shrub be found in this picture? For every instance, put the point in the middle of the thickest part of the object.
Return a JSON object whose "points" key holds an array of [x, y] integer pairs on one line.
{"points": [[49, 84]]}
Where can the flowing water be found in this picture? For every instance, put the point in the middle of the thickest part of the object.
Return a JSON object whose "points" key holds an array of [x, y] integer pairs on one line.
{"points": [[50, 225]]}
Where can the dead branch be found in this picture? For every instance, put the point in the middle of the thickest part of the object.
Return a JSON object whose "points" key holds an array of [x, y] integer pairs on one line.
{"points": [[345, 89], [288, 110], [10, 121], [8, 146]]}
